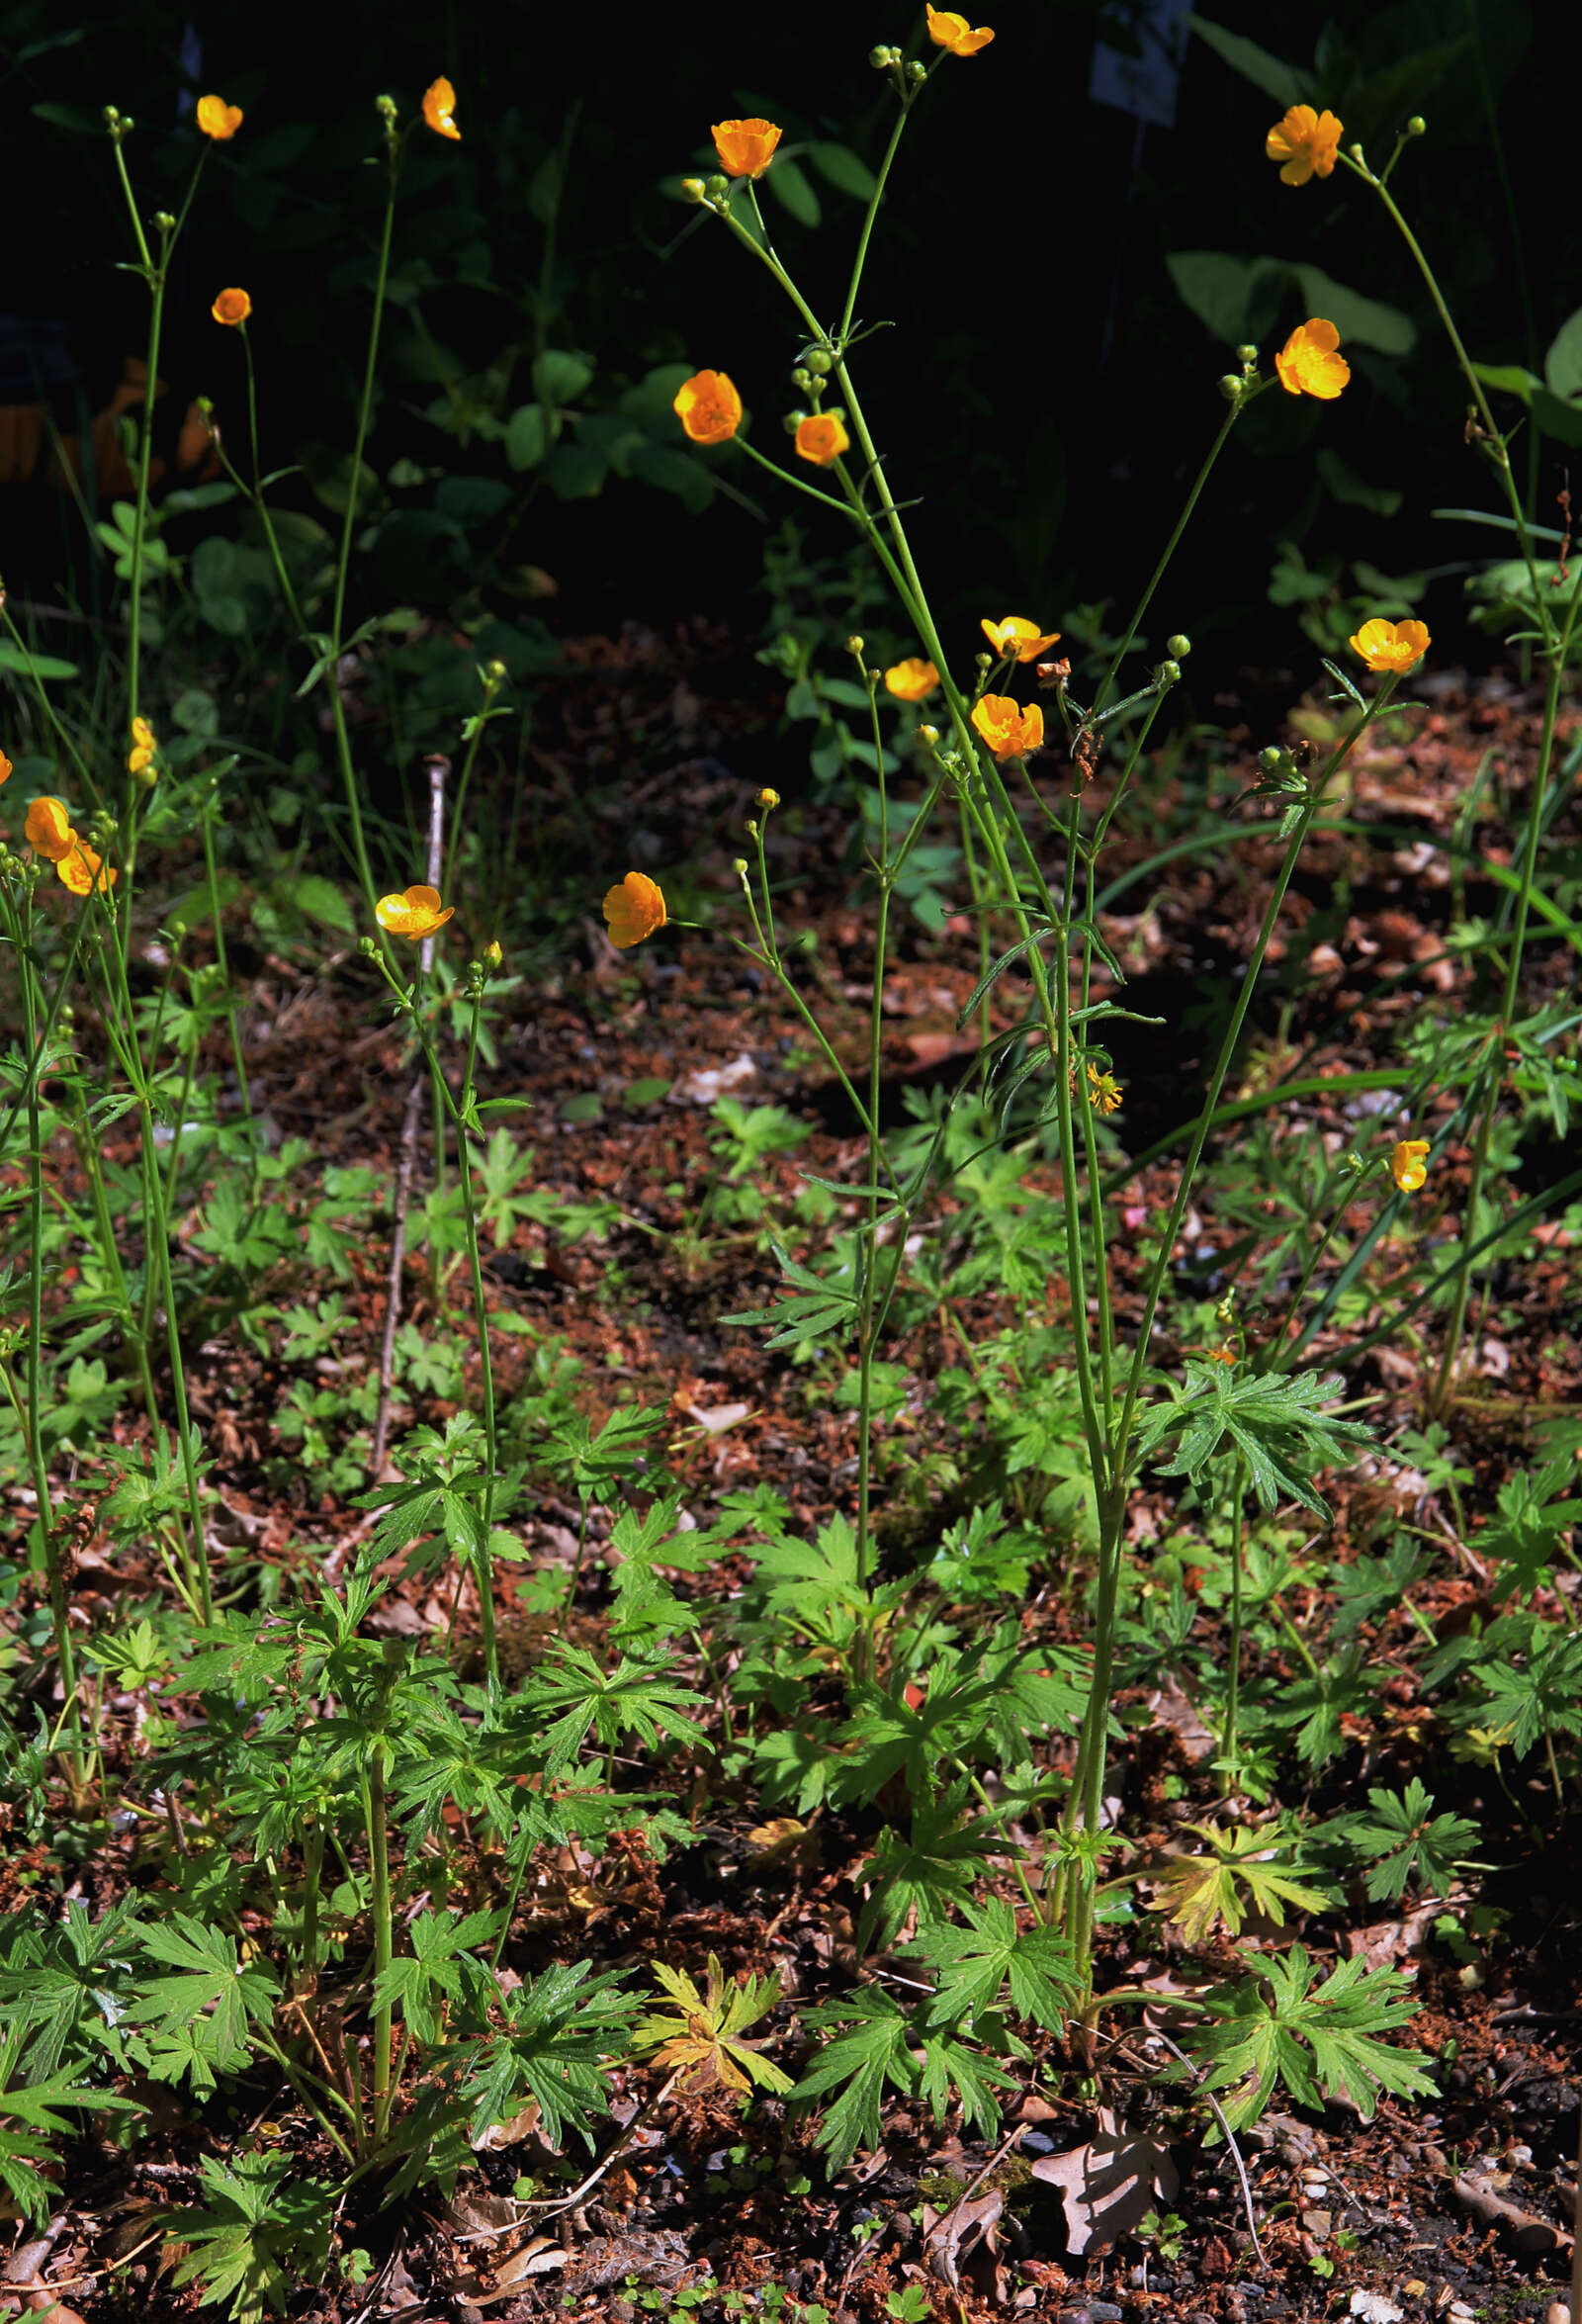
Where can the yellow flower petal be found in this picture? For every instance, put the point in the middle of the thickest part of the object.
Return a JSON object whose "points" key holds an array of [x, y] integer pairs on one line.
{"points": [[218, 119], [1010, 731], [708, 407], [821, 438], [1305, 142], [910, 680], [1016, 635], [1396, 646], [1308, 364], [745, 147], [947, 29], [634, 910], [48, 829], [416, 912], [1408, 1164], [6, 768], [439, 105]]}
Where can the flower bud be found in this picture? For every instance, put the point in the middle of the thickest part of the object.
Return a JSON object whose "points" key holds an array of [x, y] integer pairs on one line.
{"points": [[855, 647], [163, 223], [1170, 674], [717, 186], [1417, 126], [1247, 354], [145, 776], [1177, 647], [927, 733], [753, 827], [880, 57], [693, 190], [1230, 387], [492, 953], [385, 107], [768, 798], [1270, 758], [819, 361], [802, 379], [917, 72], [739, 867], [792, 421]]}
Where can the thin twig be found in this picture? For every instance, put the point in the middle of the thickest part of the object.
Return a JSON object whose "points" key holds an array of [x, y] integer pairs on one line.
{"points": [[565, 2203], [1235, 2151]]}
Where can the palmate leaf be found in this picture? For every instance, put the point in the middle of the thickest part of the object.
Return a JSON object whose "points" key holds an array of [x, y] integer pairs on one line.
{"points": [[441, 1968], [1204, 1890], [889, 1735], [705, 2034], [1278, 1425], [582, 1699], [1403, 1841], [1319, 2040], [557, 2036], [872, 2047], [933, 1869], [197, 2020], [974, 1963], [258, 2236]]}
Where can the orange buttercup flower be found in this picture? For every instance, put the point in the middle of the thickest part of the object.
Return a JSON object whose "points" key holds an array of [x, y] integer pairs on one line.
{"points": [[416, 912], [947, 29], [1308, 364], [1225, 1355], [1396, 646], [911, 679], [232, 306], [439, 106], [634, 910], [83, 870], [1016, 635], [745, 147], [48, 829], [1103, 1091], [144, 747], [1010, 731], [1409, 1164], [218, 119], [821, 438], [708, 407], [1305, 142], [5, 767]]}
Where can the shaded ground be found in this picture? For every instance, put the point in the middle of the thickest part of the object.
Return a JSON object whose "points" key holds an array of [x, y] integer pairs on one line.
{"points": [[1460, 2202]]}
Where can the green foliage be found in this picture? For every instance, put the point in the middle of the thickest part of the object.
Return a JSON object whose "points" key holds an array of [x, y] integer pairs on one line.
{"points": [[1314, 2037]]}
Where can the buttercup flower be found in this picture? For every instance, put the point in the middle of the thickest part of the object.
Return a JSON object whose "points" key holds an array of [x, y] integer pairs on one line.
{"points": [[1305, 142], [232, 306], [5, 767], [947, 29], [1103, 1091], [439, 107], [418, 912], [1225, 1355], [1392, 645], [218, 119], [1308, 364], [144, 747], [1010, 731], [49, 829], [708, 407], [1016, 635], [745, 147], [1409, 1164], [634, 910], [83, 870], [911, 679], [821, 438], [492, 953]]}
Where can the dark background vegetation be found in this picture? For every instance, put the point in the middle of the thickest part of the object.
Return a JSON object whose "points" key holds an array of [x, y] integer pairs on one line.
{"points": [[1045, 388]]}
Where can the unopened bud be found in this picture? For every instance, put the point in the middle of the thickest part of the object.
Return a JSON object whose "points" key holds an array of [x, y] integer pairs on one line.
{"points": [[717, 186], [1170, 674], [492, 953], [693, 190], [855, 647], [880, 57], [1177, 647], [385, 107], [802, 379], [768, 798], [753, 827], [739, 867], [929, 734], [496, 673], [164, 223], [819, 361], [917, 72], [1247, 354], [1230, 387], [1417, 126], [1270, 758], [792, 421]]}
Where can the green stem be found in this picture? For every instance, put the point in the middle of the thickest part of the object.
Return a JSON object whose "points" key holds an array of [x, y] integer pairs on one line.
{"points": [[378, 1862], [1170, 548], [1229, 1739]]}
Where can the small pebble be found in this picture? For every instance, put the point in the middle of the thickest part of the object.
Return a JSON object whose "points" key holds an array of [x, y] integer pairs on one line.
{"points": [[1557, 2312]]}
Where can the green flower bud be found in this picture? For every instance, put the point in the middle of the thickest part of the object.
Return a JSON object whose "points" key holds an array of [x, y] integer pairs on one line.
{"points": [[1170, 674], [792, 420], [1247, 355], [1417, 126], [717, 186], [1230, 387], [819, 361], [855, 646], [802, 379], [917, 72], [879, 58], [739, 867], [693, 190], [1270, 758], [1177, 647], [385, 107]]}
